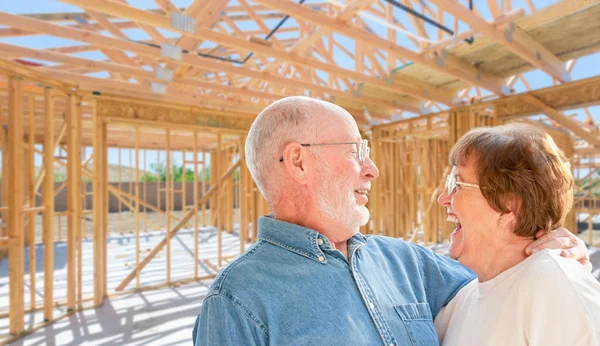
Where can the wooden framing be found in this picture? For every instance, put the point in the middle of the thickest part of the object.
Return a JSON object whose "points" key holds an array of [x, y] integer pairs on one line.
{"points": [[15, 205], [74, 193], [49, 203], [216, 92]]}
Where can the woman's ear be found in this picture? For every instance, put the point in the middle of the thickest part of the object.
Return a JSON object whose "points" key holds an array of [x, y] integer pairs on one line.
{"points": [[294, 160], [513, 205]]}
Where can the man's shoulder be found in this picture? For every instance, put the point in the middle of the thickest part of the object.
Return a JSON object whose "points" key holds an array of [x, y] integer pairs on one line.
{"points": [[397, 247], [388, 242], [238, 272]]}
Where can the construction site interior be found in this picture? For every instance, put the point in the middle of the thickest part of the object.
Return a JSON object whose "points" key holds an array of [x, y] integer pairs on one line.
{"points": [[124, 188]]}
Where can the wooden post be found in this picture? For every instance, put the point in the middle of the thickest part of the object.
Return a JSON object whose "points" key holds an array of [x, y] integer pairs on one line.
{"points": [[170, 233], [104, 191], [48, 203], [79, 220], [145, 186], [242, 196], [131, 183], [5, 173], [119, 216], [16, 263], [137, 205], [97, 204], [168, 204], [183, 183], [74, 194], [31, 191], [203, 187], [214, 205], [195, 162], [158, 180], [219, 157], [228, 191]]}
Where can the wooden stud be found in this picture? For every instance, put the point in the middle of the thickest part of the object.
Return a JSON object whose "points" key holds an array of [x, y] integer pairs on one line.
{"points": [[219, 206], [48, 203], [73, 194], [196, 240], [183, 182], [204, 179], [31, 191], [168, 202], [5, 173], [15, 205], [79, 236], [137, 206], [242, 196], [98, 206], [185, 218]]}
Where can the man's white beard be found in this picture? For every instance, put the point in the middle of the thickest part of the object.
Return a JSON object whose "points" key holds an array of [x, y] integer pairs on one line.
{"points": [[336, 199]]}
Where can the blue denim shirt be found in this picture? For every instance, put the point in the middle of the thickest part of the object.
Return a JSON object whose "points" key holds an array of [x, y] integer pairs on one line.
{"points": [[292, 288]]}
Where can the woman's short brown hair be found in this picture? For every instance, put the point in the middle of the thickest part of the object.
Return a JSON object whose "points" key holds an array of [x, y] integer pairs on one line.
{"points": [[519, 168]]}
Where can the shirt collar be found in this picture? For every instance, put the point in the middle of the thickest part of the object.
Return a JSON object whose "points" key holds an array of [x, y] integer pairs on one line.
{"points": [[301, 240]]}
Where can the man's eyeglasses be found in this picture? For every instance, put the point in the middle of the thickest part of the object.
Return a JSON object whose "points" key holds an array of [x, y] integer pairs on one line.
{"points": [[363, 148], [452, 184]]}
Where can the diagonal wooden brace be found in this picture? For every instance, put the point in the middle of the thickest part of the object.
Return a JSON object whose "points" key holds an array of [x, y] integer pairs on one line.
{"points": [[182, 221]]}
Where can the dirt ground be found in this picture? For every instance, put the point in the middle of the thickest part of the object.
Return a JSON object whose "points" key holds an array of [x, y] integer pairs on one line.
{"points": [[120, 223]]}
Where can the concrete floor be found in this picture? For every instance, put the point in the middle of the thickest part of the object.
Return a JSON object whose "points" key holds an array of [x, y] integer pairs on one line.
{"points": [[150, 312], [160, 317]]}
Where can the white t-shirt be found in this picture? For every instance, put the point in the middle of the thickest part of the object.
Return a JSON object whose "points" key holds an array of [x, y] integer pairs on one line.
{"points": [[544, 300]]}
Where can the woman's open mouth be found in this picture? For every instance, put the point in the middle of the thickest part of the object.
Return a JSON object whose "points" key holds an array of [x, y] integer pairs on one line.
{"points": [[453, 218]]}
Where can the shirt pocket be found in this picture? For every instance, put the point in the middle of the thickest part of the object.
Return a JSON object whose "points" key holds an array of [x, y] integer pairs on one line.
{"points": [[419, 323]]}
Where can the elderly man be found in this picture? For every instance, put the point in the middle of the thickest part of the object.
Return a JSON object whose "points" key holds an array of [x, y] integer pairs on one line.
{"points": [[312, 278]]}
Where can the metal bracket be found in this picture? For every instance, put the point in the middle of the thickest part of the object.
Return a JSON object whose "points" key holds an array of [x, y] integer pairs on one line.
{"points": [[183, 23], [170, 51], [158, 88], [164, 74]]}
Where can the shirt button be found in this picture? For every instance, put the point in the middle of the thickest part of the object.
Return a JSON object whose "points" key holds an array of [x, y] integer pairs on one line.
{"points": [[372, 306], [321, 259], [320, 241]]}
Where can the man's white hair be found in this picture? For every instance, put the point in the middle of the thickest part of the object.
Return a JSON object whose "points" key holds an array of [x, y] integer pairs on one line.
{"points": [[290, 119]]}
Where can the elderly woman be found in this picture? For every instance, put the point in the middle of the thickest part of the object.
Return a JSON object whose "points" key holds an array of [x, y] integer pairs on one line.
{"points": [[506, 184]]}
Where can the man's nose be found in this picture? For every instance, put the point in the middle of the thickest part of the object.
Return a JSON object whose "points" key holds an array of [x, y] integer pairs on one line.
{"points": [[370, 169]]}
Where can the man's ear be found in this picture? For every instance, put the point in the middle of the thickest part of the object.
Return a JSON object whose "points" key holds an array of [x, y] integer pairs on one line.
{"points": [[294, 160]]}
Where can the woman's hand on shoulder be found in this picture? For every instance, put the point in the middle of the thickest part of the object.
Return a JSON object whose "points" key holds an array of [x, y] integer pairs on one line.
{"points": [[572, 247]]}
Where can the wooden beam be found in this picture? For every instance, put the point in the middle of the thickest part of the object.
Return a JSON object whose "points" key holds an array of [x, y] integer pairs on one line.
{"points": [[566, 122], [184, 219], [98, 205], [153, 52], [16, 69], [168, 194], [30, 171], [513, 38], [73, 193], [451, 65], [130, 89], [133, 71], [48, 203], [414, 88], [137, 204], [167, 6], [196, 240], [16, 265]]}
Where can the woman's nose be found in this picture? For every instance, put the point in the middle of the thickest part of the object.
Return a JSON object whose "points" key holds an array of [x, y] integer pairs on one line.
{"points": [[444, 198]]}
